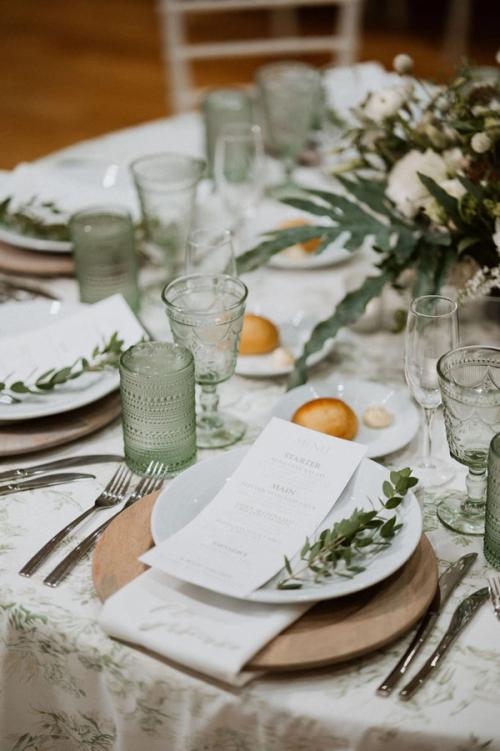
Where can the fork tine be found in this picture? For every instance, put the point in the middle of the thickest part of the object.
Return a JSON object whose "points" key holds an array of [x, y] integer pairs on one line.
{"points": [[126, 480], [109, 488]]}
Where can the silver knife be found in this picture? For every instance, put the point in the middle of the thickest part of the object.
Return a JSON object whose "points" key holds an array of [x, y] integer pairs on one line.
{"points": [[43, 482], [74, 461], [459, 620], [448, 580]]}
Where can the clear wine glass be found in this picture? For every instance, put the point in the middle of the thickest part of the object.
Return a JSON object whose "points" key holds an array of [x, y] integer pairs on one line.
{"points": [[210, 251], [290, 94], [239, 169], [205, 312], [469, 378], [431, 330]]}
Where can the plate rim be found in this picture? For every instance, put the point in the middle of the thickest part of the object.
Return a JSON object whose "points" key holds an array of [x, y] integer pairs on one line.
{"points": [[293, 596], [361, 382]]}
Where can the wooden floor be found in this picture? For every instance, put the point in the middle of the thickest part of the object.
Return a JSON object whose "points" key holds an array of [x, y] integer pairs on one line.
{"points": [[73, 69]]}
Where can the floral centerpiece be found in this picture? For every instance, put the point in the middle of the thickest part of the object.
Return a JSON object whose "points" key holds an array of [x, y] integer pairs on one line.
{"points": [[421, 176]]}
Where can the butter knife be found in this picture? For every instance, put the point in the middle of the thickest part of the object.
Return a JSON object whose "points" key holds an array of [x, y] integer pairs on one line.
{"points": [[74, 461], [448, 580], [43, 482], [459, 620]]}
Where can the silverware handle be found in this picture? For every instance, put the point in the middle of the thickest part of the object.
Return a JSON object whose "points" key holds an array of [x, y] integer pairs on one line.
{"points": [[76, 461], [69, 562], [36, 561], [413, 686], [424, 629]]}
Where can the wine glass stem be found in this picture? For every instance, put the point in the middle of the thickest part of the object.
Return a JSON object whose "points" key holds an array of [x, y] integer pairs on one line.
{"points": [[426, 451], [476, 490], [209, 403]]}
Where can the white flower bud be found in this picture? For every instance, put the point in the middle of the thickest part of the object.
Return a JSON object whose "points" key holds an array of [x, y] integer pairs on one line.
{"points": [[402, 64], [480, 143]]}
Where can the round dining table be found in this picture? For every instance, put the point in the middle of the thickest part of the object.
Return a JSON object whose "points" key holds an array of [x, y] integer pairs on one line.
{"points": [[66, 686]]}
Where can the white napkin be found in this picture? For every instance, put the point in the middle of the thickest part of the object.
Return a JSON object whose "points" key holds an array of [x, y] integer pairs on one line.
{"points": [[194, 627], [70, 184]]}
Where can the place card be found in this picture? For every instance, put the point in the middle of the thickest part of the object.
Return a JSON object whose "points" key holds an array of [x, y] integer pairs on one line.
{"points": [[67, 338], [282, 490]]}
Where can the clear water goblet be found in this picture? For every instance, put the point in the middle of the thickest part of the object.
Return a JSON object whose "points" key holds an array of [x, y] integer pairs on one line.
{"points": [[210, 251], [431, 330], [205, 312], [469, 379], [290, 93]]}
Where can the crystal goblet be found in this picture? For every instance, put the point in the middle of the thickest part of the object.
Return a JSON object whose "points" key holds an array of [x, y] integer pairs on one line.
{"points": [[469, 379], [206, 316]]}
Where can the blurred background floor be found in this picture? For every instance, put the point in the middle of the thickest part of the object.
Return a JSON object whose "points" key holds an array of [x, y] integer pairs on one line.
{"points": [[73, 70]]}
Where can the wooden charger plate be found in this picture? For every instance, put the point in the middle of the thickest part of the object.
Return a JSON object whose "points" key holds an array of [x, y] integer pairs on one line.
{"points": [[29, 436], [330, 632], [35, 263]]}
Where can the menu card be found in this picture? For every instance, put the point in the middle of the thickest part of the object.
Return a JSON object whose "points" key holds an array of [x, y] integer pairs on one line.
{"points": [[70, 336], [281, 491]]}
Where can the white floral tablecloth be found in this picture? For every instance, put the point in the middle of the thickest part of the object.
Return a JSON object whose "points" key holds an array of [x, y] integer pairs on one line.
{"points": [[65, 686]]}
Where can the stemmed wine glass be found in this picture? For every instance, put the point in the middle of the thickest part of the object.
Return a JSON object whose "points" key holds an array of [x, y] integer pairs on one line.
{"points": [[469, 378], [239, 170], [431, 330], [210, 251], [205, 312], [290, 94]]}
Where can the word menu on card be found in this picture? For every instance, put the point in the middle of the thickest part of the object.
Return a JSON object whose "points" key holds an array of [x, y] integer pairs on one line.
{"points": [[282, 490]]}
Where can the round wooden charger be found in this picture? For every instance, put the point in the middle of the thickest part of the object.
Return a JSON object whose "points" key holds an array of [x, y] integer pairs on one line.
{"points": [[35, 263], [331, 631], [29, 436]]}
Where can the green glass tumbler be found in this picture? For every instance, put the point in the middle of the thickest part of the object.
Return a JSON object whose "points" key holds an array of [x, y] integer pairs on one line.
{"points": [[158, 407], [104, 251], [492, 523], [221, 107], [166, 186]]}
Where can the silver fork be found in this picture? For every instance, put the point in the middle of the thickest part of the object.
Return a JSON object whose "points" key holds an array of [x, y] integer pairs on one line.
{"points": [[151, 482], [494, 585], [113, 493]]}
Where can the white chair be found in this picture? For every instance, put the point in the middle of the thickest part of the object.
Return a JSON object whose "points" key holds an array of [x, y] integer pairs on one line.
{"points": [[179, 52]]}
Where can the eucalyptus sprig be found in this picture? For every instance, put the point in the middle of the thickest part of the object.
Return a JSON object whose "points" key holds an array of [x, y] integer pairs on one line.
{"points": [[103, 356], [341, 549]]}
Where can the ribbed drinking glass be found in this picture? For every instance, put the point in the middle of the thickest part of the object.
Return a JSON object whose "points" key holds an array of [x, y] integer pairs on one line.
{"points": [[158, 406], [206, 316], [469, 379], [104, 252]]}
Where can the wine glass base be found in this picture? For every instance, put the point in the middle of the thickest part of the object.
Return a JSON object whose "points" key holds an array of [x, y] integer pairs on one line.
{"points": [[450, 512], [225, 431], [434, 476]]}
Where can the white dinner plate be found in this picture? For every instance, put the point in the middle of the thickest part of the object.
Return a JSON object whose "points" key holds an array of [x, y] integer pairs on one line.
{"points": [[359, 395], [29, 316], [294, 333], [272, 214], [183, 499], [28, 242]]}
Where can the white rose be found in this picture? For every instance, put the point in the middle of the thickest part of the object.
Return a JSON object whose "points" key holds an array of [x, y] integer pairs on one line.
{"points": [[404, 186], [454, 160], [402, 64], [386, 103], [480, 143]]}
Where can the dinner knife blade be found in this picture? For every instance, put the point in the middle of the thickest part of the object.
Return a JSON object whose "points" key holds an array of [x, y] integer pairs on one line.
{"points": [[459, 620], [448, 580], [74, 461], [43, 482]]}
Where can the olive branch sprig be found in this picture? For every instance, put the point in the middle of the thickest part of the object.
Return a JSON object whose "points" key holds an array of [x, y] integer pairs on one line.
{"points": [[342, 545], [103, 356]]}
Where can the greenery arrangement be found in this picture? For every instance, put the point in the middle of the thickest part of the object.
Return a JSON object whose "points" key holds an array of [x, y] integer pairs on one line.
{"points": [[424, 185], [341, 549], [106, 355]]}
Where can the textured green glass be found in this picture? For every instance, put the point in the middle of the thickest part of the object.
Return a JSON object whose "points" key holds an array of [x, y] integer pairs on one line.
{"points": [[206, 316], [492, 524], [220, 107], [166, 186], [158, 406], [105, 258]]}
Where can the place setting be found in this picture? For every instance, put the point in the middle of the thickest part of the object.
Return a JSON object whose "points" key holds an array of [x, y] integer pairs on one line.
{"points": [[250, 433]]}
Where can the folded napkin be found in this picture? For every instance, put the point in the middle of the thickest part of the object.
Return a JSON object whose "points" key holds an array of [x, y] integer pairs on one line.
{"points": [[194, 627], [51, 192]]}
